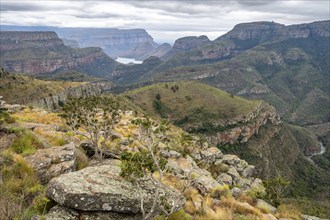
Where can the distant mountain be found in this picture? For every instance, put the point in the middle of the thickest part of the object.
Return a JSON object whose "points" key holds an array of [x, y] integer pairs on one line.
{"points": [[42, 52], [130, 43], [287, 66]]}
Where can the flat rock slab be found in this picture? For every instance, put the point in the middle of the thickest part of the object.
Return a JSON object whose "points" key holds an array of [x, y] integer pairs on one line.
{"points": [[102, 189]]}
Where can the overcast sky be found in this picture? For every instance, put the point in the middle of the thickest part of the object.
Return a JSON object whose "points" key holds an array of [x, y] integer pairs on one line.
{"points": [[164, 20]]}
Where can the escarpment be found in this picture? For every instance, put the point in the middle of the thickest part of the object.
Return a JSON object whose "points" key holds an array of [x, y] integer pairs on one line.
{"points": [[36, 53]]}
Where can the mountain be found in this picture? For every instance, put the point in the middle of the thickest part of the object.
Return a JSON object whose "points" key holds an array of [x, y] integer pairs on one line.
{"points": [[287, 66], [36, 53], [249, 128], [130, 43]]}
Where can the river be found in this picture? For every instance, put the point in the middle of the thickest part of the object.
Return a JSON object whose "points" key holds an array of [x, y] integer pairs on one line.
{"points": [[125, 60]]}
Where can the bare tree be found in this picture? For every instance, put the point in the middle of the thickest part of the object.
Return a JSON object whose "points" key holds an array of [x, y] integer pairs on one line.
{"points": [[151, 133], [93, 118]]}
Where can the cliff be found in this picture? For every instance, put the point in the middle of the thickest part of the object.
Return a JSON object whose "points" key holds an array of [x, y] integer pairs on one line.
{"points": [[17, 89], [37, 53]]}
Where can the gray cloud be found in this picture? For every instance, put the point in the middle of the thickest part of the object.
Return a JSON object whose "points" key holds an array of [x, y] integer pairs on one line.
{"points": [[165, 20]]}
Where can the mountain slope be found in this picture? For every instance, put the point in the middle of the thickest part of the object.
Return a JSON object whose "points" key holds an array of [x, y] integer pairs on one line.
{"points": [[250, 129], [291, 73]]}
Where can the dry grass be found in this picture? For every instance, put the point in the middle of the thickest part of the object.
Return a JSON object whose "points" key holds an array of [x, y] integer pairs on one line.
{"points": [[38, 116], [288, 211]]}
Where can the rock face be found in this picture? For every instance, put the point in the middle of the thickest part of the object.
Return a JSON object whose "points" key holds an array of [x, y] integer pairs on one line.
{"points": [[245, 129], [102, 189], [185, 44], [11, 40], [56, 100], [52, 162], [43, 52]]}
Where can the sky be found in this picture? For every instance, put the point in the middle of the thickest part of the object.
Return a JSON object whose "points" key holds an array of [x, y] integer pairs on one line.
{"points": [[164, 20]]}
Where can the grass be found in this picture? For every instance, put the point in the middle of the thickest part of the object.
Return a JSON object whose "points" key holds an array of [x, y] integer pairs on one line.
{"points": [[288, 211], [205, 106], [21, 195], [25, 144], [18, 89]]}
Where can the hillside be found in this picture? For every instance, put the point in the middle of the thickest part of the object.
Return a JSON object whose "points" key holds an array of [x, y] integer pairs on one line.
{"points": [[251, 129], [222, 185], [20, 89], [37, 53]]}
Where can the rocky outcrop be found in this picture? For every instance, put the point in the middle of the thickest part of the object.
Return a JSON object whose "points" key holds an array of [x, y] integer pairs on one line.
{"points": [[185, 44], [241, 130], [44, 52], [12, 40], [101, 189], [55, 101], [52, 162], [3, 72]]}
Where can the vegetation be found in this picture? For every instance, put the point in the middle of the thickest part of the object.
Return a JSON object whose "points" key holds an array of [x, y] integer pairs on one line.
{"points": [[93, 118]]}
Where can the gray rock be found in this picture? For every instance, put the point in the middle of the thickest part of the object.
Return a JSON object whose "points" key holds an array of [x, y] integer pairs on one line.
{"points": [[236, 192], [52, 162], [102, 189], [230, 159], [205, 184], [263, 204], [233, 172], [61, 213], [248, 171], [170, 154], [225, 178], [309, 217], [211, 154]]}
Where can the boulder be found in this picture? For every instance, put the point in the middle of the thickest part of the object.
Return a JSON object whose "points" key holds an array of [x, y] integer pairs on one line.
{"points": [[248, 171], [59, 213], [224, 178], [52, 162], [170, 154], [6, 140], [309, 217], [230, 159], [265, 205], [233, 172], [102, 189], [205, 184], [210, 154]]}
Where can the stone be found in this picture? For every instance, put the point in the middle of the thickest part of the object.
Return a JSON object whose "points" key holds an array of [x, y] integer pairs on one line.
{"points": [[236, 192], [170, 154], [101, 188], [248, 171], [243, 183], [309, 217], [52, 162], [61, 213], [233, 172], [205, 184], [225, 178], [211, 154], [6, 140], [265, 205], [230, 159]]}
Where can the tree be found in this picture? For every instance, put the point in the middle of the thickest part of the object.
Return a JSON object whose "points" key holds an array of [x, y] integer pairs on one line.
{"points": [[93, 118], [140, 167]]}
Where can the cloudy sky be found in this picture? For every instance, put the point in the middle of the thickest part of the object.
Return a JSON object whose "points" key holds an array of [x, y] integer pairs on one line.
{"points": [[164, 20]]}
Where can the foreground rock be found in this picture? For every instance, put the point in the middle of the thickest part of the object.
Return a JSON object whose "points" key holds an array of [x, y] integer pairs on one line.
{"points": [[52, 162], [102, 189]]}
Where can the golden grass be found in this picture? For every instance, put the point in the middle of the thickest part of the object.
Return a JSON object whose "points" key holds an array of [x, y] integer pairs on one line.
{"points": [[288, 211], [38, 116]]}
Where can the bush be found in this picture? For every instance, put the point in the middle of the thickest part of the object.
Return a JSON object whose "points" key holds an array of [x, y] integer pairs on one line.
{"points": [[288, 211], [82, 159]]}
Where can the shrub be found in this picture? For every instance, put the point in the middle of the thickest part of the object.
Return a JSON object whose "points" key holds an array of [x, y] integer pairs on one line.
{"points": [[82, 159], [179, 215]]}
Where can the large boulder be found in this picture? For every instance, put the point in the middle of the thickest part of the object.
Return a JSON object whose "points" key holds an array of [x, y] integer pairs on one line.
{"points": [[101, 188], [52, 162]]}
